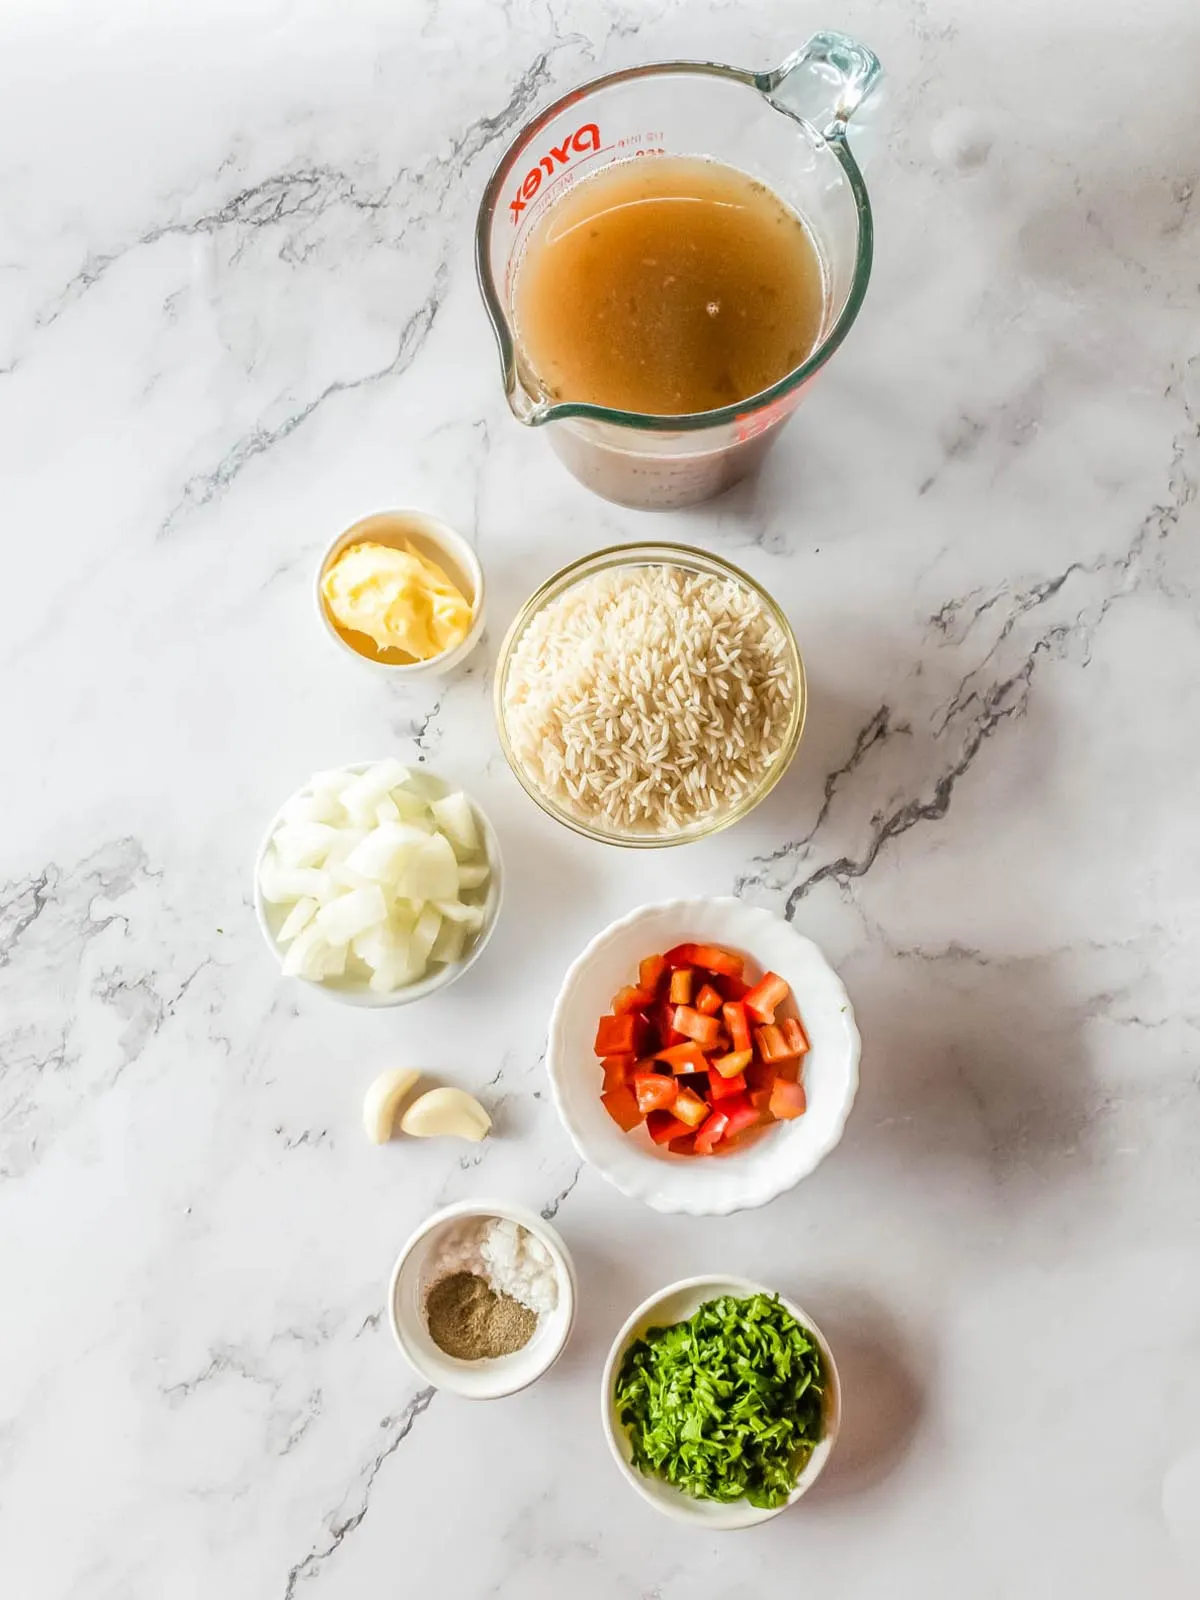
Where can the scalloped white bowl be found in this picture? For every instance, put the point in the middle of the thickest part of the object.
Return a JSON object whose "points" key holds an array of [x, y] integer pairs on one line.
{"points": [[781, 1154]]}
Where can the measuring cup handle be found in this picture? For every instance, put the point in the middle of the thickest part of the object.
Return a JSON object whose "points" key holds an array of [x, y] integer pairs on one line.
{"points": [[825, 81]]}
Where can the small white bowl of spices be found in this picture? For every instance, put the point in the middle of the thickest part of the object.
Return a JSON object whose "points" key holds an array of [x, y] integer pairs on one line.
{"points": [[482, 1298]]}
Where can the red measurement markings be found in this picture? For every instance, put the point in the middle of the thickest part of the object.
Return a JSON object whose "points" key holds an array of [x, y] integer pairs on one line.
{"points": [[584, 141]]}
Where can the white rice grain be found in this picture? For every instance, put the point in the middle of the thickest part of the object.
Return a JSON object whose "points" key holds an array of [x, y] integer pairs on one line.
{"points": [[648, 698]]}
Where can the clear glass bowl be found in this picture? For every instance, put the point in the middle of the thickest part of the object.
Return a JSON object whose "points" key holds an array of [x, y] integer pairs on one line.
{"points": [[641, 555]]}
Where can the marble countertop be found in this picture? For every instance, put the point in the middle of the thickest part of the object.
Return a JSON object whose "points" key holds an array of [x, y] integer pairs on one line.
{"points": [[238, 310]]}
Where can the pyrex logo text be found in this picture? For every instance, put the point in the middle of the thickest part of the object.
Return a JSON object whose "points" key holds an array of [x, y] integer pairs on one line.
{"points": [[585, 138]]}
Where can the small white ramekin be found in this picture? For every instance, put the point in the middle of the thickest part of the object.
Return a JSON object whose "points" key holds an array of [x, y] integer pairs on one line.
{"points": [[270, 918], [477, 1380], [676, 1303], [433, 538]]}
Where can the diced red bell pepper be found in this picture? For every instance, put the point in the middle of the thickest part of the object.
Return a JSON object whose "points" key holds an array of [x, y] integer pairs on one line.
{"points": [[650, 973], [789, 1070], [768, 1043], [772, 1045], [733, 1064], [709, 956], [721, 1088], [620, 1036], [709, 1133], [760, 1099], [769, 992], [793, 1032], [736, 1025], [708, 1001], [761, 1075], [631, 999], [742, 1114], [656, 1091], [678, 1050], [690, 1108], [660, 1022], [695, 1025], [685, 1057], [663, 1127], [617, 1071], [788, 1100], [680, 991], [621, 1105], [781, 1041]]}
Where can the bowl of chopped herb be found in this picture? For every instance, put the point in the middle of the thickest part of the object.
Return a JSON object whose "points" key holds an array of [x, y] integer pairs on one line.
{"points": [[720, 1402]]}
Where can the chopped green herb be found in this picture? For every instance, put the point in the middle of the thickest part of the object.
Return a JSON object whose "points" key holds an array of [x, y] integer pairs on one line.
{"points": [[726, 1406]]}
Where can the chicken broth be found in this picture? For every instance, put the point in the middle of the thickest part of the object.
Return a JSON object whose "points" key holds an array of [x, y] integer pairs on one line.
{"points": [[667, 285]]}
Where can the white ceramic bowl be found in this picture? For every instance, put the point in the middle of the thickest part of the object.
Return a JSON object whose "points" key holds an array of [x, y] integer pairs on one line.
{"points": [[355, 992], [477, 1380], [781, 1154], [438, 541], [676, 1303]]}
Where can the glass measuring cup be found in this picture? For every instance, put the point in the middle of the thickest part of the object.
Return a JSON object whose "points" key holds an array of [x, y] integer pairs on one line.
{"points": [[787, 128]]}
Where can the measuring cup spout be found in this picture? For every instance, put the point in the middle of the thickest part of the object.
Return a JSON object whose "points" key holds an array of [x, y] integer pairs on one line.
{"points": [[528, 408], [824, 82]]}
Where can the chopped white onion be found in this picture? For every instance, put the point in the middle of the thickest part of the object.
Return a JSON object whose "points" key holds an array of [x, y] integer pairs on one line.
{"points": [[383, 851], [423, 936], [376, 877], [363, 794], [450, 942], [303, 844], [471, 917], [351, 913], [297, 919], [430, 872], [307, 955], [453, 815], [324, 807]]}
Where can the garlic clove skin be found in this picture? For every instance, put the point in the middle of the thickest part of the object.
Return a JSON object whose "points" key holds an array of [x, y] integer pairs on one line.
{"points": [[382, 1101], [446, 1113]]}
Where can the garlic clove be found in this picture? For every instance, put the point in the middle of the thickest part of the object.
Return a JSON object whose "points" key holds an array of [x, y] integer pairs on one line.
{"points": [[382, 1101], [446, 1113]]}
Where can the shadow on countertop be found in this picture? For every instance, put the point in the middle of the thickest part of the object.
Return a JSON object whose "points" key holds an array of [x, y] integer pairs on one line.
{"points": [[883, 1397]]}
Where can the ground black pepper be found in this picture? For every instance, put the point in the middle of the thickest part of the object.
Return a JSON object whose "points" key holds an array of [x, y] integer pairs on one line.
{"points": [[467, 1319]]}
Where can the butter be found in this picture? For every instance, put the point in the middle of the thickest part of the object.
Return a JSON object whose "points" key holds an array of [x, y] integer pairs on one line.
{"points": [[399, 598]]}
